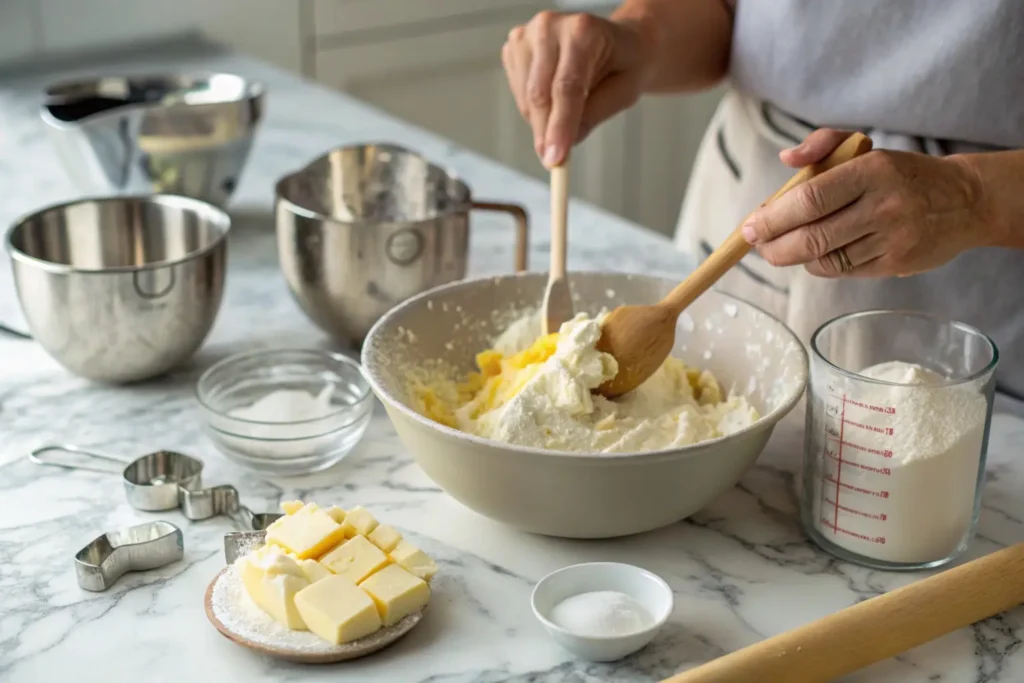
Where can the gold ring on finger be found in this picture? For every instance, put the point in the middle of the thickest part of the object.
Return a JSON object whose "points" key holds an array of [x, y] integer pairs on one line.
{"points": [[845, 264]]}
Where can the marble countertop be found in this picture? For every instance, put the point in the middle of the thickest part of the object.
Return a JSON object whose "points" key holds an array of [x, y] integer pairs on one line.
{"points": [[741, 569]]}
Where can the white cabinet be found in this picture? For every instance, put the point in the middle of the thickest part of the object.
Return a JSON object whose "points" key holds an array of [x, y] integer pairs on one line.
{"points": [[449, 82]]}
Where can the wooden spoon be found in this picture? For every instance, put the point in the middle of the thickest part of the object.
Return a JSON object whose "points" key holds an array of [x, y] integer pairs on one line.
{"points": [[557, 306], [876, 629], [641, 337]]}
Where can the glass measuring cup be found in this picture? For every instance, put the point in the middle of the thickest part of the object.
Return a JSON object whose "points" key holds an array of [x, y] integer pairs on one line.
{"points": [[894, 454]]}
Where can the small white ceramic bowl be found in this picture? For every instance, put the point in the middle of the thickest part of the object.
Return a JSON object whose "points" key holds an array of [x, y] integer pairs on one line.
{"points": [[649, 589]]}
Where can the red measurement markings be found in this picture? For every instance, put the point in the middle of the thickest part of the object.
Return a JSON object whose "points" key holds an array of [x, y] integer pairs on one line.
{"points": [[885, 410], [864, 537], [884, 471], [879, 516], [839, 457], [885, 453], [858, 489], [871, 428]]}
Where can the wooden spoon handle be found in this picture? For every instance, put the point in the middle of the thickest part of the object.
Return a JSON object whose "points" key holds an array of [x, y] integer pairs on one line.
{"points": [[734, 248], [559, 219], [876, 629]]}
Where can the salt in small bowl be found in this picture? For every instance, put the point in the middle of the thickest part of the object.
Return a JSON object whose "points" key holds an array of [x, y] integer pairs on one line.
{"points": [[285, 446], [646, 588]]}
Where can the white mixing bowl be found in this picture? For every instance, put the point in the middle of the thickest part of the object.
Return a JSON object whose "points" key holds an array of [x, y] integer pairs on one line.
{"points": [[571, 494]]}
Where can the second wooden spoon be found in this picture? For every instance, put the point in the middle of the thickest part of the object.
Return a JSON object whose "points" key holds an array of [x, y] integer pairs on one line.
{"points": [[641, 337]]}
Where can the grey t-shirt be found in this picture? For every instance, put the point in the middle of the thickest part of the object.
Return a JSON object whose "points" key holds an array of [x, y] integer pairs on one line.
{"points": [[952, 70], [935, 76]]}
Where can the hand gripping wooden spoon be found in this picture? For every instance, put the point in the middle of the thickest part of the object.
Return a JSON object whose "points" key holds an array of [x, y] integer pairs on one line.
{"points": [[641, 337]]}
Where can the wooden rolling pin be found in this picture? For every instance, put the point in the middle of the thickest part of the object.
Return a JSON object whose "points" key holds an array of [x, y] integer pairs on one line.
{"points": [[876, 629]]}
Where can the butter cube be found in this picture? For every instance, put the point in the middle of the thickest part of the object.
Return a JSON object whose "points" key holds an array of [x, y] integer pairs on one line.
{"points": [[290, 507], [355, 559], [308, 533], [396, 593], [414, 560], [359, 522], [337, 610], [313, 570], [385, 537], [272, 579], [336, 513]]}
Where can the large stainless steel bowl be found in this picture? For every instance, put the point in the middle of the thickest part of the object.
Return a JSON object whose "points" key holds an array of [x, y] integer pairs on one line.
{"points": [[188, 135], [570, 494], [121, 289]]}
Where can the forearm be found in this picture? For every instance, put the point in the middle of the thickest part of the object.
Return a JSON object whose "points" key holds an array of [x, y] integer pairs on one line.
{"points": [[688, 41], [1000, 194]]}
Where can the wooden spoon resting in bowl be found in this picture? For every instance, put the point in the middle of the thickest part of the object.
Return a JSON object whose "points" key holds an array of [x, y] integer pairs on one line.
{"points": [[641, 337]]}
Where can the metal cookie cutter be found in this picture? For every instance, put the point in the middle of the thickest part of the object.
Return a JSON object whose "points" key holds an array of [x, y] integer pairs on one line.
{"points": [[164, 480], [137, 548], [151, 482], [222, 500], [239, 543]]}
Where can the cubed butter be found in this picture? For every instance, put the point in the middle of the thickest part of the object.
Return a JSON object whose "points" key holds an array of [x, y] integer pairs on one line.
{"points": [[313, 570], [414, 560], [396, 593], [337, 610], [272, 579], [355, 559], [385, 537], [359, 522], [308, 533], [337, 514], [290, 507]]}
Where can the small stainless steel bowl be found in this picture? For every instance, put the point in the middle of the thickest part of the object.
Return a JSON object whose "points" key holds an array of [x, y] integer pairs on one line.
{"points": [[120, 289], [163, 133], [285, 442], [364, 227]]}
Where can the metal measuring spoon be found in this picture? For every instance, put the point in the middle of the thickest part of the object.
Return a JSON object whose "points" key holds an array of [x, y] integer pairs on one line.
{"points": [[152, 482], [165, 480]]}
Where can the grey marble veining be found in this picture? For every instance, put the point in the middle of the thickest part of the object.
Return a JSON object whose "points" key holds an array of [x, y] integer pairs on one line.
{"points": [[742, 569]]}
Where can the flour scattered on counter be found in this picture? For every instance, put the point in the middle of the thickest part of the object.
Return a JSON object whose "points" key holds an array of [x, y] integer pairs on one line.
{"points": [[537, 391]]}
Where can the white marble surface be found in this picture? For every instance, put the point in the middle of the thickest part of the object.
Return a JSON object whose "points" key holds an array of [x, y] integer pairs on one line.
{"points": [[741, 569]]}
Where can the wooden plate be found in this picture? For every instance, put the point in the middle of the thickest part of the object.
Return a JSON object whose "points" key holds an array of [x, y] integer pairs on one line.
{"points": [[233, 613]]}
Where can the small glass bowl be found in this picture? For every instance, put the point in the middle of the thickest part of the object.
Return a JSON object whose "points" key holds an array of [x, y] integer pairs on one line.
{"points": [[289, 446]]}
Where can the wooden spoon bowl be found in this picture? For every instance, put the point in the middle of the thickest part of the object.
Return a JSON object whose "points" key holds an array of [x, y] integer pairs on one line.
{"points": [[641, 337]]}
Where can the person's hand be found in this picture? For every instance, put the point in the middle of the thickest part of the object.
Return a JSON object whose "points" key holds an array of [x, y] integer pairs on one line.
{"points": [[570, 72], [881, 214]]}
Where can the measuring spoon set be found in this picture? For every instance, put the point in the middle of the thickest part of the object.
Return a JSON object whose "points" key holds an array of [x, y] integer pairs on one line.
{"points": [[154, 482]]}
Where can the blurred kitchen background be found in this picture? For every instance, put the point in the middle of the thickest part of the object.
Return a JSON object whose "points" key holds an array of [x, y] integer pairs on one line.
{"points": [[435, 63]]}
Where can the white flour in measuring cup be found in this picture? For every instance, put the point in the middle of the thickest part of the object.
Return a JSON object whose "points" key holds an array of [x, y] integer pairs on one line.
{"points": [[902, 486]]}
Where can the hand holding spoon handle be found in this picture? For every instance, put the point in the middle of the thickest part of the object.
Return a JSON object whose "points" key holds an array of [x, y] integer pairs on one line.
{"points": [[734, 248]]}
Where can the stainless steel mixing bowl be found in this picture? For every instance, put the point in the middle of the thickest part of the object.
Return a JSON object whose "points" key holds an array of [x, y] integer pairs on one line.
{"points": [[121, 289], [571, 494], [176, 134], [365, 227]]}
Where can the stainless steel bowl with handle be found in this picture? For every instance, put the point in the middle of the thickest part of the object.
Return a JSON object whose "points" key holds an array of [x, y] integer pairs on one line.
{"points": [[120, 289], [188, 135], [365, 227], [582, 495]]}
